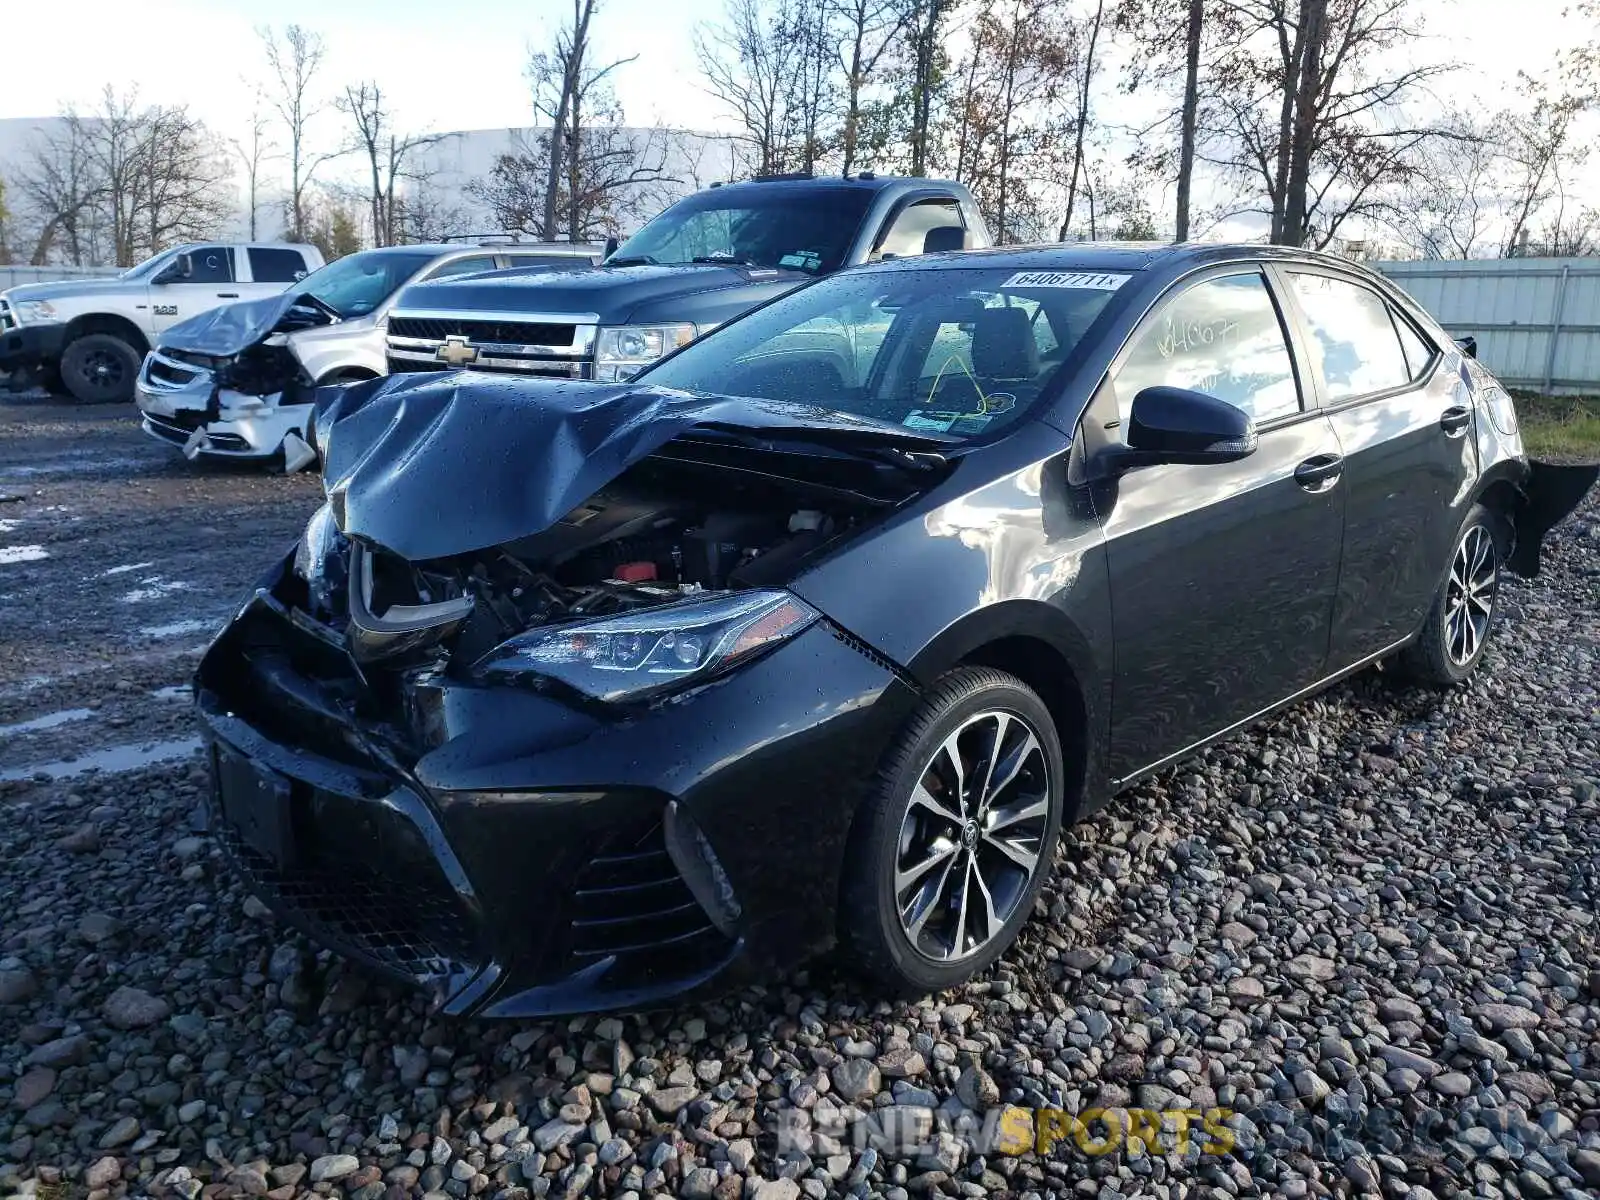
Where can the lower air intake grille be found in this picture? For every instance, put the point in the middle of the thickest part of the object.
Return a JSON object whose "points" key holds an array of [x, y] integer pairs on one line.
{"points": [[630, 903], [412, 928]]}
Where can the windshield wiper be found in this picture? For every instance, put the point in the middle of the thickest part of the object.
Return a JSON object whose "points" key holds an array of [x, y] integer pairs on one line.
{"points": [[913, 452], [725, 260], [633, 260]]}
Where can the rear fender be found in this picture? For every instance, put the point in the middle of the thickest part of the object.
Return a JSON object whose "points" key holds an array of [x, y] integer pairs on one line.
{"points": [[1550, 492]]}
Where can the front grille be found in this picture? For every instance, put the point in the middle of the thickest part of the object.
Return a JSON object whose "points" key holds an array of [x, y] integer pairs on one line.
{"points": [[178, 426], [413, 926], [509, 333], [170, 374], [543, 368], [7, 321], [631, 903]]}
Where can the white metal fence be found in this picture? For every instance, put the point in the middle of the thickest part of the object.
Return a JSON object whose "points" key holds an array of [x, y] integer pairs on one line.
{"points": [[12, 275], [1537, 320]]}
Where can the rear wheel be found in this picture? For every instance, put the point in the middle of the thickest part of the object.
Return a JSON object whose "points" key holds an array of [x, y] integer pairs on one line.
{"points": [[1456, 633], [99, 368], [958, 837]]}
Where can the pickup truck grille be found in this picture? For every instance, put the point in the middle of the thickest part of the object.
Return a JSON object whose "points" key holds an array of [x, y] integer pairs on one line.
{"points": [[443, 341], [436, 329]]}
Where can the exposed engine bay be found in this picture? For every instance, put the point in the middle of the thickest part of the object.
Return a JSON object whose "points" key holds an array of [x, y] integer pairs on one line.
{"points": [[661, 532]]}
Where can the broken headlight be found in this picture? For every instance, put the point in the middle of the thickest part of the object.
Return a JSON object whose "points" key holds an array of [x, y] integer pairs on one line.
{"points": [[627, 657], [319, 559]]}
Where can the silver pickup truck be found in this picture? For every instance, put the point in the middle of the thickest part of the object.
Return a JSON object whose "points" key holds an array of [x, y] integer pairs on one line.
{"points": [[88, 335]]}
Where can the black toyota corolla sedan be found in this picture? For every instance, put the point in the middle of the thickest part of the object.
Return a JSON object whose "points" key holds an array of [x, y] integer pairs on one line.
{"points": [[578, 696]]}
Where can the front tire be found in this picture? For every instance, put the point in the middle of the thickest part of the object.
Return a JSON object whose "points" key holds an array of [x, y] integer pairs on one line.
{"points": [[99, 368], [1461, 619], [957, 837]]}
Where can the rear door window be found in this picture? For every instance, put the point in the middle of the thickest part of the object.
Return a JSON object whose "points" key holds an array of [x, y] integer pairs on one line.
{"points": [[911, 227], [1353, 339], [463, 266], [276, 264], [1223, 337]]}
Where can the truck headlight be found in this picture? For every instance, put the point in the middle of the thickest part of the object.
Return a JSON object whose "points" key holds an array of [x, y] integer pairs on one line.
{"points": [[31, 312], [622, 351], [631, 656]]}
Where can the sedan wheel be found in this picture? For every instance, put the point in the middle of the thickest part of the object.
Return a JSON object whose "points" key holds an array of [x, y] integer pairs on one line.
{"points": [[1456, 633], [950, 853], [1469, 596]]}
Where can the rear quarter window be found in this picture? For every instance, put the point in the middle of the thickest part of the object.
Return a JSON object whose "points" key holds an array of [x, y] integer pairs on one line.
{"points": [[276, 264]]}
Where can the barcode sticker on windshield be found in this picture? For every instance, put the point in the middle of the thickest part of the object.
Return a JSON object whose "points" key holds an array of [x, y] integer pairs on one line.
{"points": [[1095, 280]]}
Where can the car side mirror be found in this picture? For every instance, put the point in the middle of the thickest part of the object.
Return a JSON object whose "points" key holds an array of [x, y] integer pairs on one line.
{"points": [[1176, 425], [181, 267], [1468, 346], [611, 247]]}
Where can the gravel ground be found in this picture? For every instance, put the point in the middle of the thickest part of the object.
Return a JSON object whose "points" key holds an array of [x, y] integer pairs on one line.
{"points": [[1367, 928]]}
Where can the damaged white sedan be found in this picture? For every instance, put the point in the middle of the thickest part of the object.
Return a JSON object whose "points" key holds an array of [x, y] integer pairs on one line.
{"points": [[238, 381]]}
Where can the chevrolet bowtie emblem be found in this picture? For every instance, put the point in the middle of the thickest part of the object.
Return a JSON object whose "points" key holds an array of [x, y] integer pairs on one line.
{"points": [[457, 351]]}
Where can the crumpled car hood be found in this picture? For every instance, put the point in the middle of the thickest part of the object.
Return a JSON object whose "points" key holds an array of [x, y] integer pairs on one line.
{"points": [[432, 465], [231, 329]]}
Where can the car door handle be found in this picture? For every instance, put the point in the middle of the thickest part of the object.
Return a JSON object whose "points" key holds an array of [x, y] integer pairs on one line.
{"points": [[227, 295], [1319, 473], [1454, 420]]}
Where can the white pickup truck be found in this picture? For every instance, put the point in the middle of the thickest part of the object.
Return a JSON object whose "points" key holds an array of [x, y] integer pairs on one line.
{"points": [[90, 335]]}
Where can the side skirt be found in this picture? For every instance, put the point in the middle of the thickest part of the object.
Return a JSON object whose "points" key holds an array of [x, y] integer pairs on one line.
{"points": [[1117, 785]]}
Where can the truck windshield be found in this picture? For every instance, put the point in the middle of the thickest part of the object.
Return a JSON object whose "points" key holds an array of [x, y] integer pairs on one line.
{"points": [[958, 351], [803, 229], [356, 284]]}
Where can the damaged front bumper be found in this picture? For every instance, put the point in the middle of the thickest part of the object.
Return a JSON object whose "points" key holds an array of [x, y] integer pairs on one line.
{"points": [[517, 855], [182, 405]]}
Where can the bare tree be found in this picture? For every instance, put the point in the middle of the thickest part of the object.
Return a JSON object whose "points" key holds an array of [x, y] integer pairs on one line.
{"points": [[755, 64], [388, 155], [615, 177], [294, 62], [1083, 80], [926, 20], [58, 183], [253, 151], [1535, 144], [5, 227], [557, 77], [870, 30], [1006, 113], [1316, 114]]}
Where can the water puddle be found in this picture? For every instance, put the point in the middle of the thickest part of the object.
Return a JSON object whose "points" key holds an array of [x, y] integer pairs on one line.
{"points": [[176, 691], [154, 588], [48, 721], [123, 570], [79, 467], [177, 629], [22, 554], [111, 761], [9, 526]]}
